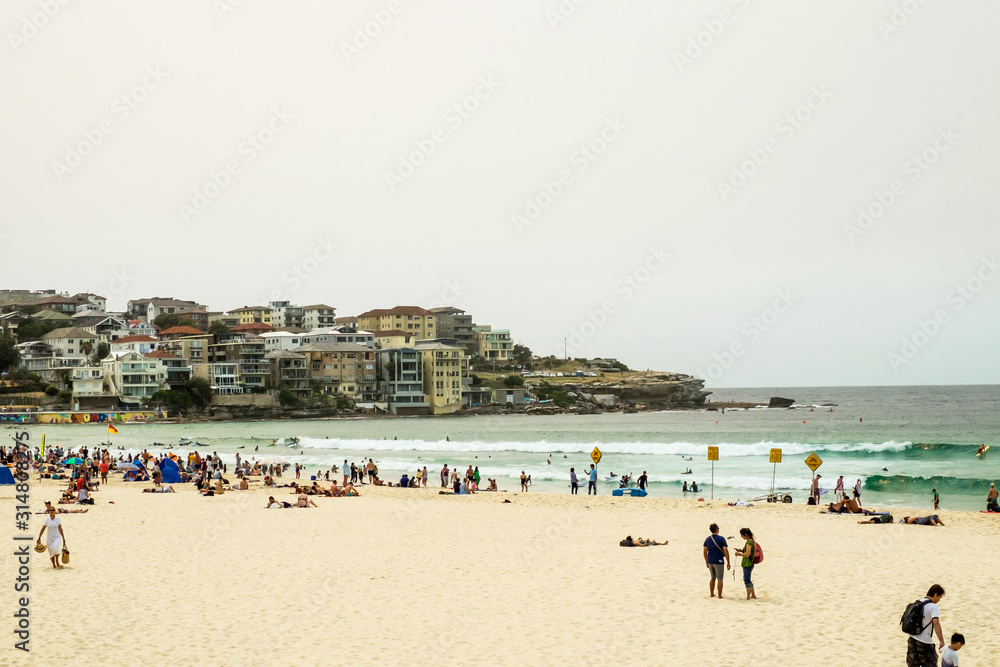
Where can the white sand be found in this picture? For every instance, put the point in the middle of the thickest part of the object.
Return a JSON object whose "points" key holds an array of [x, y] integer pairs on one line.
{"points": [[408, 575]]}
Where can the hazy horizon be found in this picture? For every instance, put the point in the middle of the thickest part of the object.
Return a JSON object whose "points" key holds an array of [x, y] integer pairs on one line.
{"points": [[760, 194]]}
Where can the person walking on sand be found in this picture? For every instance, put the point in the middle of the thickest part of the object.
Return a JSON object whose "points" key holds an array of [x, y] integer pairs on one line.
{"points": [[574, 482], [920, 647], [524, 482], [592, 483], [937, 498], [839, 490], [747, 562], [56, 541], [444, 476], [857, 492], [715, 550], [347, 473], [815, 489], [424, 479]]}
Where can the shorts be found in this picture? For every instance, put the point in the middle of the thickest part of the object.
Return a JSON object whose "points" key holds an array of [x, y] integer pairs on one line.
{"points": [[919, 654], [718, 569]]}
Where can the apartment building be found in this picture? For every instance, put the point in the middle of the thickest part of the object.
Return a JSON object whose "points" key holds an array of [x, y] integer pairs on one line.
{"points": [[141, 344], [133, 377], [346, 369], [241, 358], [253, 315], [401, 381], [289, 370], [455, 323], [442, 373], [411, 319], [318, 316], [494, 344], [174, 370], [385, 340], [285, 314]]}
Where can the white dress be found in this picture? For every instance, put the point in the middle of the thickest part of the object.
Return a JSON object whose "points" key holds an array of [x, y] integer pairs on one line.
{"points": [[53, 538]]}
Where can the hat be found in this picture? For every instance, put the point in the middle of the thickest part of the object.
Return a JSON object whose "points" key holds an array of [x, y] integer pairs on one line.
{"points": [[39, 547]]}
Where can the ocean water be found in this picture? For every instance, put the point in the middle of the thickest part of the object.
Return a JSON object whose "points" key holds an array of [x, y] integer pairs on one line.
{"points": [[902, 442]]}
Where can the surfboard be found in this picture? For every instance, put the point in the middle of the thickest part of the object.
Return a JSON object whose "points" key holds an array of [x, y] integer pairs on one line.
{"points": [[983, 453]]}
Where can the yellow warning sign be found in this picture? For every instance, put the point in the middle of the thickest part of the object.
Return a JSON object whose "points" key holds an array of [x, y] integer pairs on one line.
{"points": [[813, 461], [596, 455], [713, 453], [775, 456]]}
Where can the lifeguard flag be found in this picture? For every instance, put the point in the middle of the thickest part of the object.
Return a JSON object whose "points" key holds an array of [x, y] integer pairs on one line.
{"points": [[112, 429]]}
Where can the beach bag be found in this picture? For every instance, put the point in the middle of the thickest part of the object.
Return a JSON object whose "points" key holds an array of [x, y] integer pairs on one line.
{"points": [[65, 555], [758, 553], [912, 621]]}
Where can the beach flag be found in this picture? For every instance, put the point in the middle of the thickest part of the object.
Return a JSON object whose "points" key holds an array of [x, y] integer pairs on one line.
{"points": [[111, 429], [42, 452]]}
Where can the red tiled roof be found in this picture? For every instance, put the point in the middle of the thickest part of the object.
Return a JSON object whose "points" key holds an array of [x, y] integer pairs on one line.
{"points": [[185, 330], [142, 338], [393, 332]]}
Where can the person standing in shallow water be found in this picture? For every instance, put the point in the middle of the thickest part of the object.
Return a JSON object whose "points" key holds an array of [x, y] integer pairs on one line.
{"points": [[574, 482], [747, 562]]}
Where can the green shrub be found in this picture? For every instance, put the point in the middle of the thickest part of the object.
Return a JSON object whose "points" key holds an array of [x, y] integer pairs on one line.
{"points": [[514, 381], [287, 398], [51, 391], [65, 395]]}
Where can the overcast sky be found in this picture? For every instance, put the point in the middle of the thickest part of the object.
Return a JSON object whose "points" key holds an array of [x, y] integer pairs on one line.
{"points": [[676, 185]]}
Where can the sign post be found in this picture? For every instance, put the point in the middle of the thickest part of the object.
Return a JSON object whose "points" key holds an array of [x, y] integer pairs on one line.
{"points": [[775, 459], [596, 455], [713, 456], [813, 462]]}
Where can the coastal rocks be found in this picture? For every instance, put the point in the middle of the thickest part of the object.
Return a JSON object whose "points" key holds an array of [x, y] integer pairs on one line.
{"points": [[605, 400], [779, 402]]}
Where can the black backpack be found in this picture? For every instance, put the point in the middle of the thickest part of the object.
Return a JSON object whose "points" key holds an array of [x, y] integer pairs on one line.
{"points": [[912, 622]]}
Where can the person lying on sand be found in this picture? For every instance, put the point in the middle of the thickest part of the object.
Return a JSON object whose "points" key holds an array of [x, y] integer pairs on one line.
{"points": [[639, 542], [881, 518], [846, 505], [306, 501], [61, 510], [273, 504], [931, 520], [166, 488]]}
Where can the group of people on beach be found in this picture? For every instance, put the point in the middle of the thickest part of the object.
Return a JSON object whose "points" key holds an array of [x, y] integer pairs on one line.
{"points": [[716, 553]]}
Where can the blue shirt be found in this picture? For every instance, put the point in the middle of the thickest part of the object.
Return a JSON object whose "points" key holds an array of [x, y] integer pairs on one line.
{"points": [[715, 544], [593, 474]]}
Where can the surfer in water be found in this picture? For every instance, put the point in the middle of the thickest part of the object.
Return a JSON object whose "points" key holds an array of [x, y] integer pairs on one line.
{"points": [[982, 450]]}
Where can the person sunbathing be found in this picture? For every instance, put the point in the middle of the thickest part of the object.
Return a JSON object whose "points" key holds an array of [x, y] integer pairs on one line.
{"points": [[166, 488], [244, 485], [879, 518], [273, 504], [846, 505], [493, 484], [639, 542], [306, 501], [931, 520]]}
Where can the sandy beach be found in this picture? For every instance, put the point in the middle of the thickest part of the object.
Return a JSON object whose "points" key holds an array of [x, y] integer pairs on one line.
{"points": [[409, 575]]}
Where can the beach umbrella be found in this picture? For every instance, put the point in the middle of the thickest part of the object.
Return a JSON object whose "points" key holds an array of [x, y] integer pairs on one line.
{"points": [[127, 466], [73, 461]]}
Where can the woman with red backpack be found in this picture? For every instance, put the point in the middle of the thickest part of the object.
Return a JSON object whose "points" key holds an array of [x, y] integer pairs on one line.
{"points": [[751, 556]]}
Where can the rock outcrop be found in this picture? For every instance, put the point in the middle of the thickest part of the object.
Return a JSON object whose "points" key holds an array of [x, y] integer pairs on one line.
{"points": [[779, 402]]}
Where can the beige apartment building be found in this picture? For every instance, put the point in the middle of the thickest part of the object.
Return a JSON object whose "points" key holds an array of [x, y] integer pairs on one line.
{"points": [[411, 319]]}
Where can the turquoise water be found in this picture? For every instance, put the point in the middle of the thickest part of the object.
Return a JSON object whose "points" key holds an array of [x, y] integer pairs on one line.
{"points": [[926, 437]]}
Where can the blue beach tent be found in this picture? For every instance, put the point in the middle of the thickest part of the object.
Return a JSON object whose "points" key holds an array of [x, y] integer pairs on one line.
{"points": [[169, 472], [6, 477]]}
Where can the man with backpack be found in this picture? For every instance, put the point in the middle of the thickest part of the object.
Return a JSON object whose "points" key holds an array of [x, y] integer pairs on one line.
{"points": [[715, 551], [920, 622]]}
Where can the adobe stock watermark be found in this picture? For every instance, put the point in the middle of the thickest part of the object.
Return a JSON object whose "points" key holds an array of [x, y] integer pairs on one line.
{"points": [[705, 38], [453, 118], [957, 298], [786, 127], [32, 24], [913, 168], [899, 17], [448, 295], [303, 269], [581, 159], [370, 30], [562, 12], [625, 288], [224, 7], [121, 108], [248, 150], [750, 333]]}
